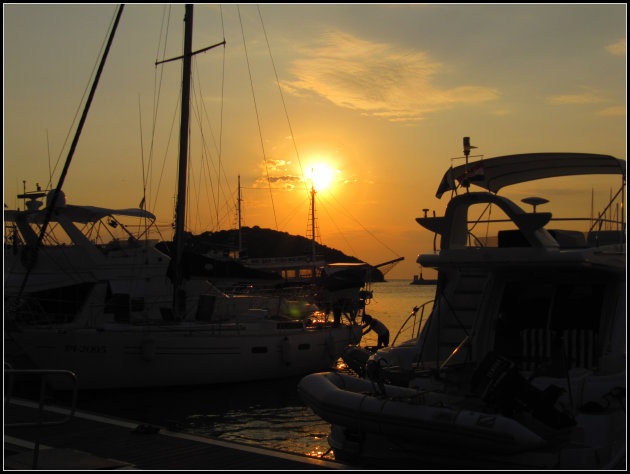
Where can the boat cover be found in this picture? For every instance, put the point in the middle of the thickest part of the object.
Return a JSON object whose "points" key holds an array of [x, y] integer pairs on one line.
{"points": [[495, 173]]}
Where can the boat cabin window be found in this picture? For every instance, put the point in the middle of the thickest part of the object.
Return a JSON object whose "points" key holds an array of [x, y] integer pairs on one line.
{"points": [[290, 274], [543, 323], [54, 306], [306, 273]]}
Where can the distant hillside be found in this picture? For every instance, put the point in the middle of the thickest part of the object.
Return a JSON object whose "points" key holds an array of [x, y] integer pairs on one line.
{"points": [[261, 243]]}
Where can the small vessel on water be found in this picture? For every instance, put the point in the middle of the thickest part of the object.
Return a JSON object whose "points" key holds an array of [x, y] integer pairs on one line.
{"points": [[521, 363], [420, 280], [119, 312]]}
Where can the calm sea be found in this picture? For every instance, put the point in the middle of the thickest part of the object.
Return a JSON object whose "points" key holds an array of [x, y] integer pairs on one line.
{"points": [[265, 414]]}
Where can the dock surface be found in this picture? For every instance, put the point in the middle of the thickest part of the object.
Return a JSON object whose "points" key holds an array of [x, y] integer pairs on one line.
{"points": [[93, 441]]}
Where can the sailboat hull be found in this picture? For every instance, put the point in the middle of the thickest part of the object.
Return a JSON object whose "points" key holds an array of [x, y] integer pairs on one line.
{"points": [[169, 356]]}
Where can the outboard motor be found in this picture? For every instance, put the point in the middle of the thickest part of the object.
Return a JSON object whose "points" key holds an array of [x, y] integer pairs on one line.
{"points": [[356, 359]]}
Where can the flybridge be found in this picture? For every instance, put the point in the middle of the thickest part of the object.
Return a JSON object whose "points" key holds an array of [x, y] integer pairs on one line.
{"points": [[495, 173]]}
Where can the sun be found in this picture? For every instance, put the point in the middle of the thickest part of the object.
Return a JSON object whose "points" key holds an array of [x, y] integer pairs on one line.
{"points": [[320, 175]]}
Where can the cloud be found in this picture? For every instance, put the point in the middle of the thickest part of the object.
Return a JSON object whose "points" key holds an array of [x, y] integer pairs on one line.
{"points": [[276, 174], [275, 165], [618, 48], [613, 111], [378, 80], [277, 182], [501, 112], [587, 97]]}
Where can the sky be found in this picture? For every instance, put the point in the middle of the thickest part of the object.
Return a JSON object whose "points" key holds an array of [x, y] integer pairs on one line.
{"points": [[380, 95]]}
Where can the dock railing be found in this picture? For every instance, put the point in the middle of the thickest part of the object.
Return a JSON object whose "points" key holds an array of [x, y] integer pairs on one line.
{"points": [[10, 375]]}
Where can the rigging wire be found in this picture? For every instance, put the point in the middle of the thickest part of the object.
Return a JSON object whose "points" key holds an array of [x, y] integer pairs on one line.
{"points": [[196, 106], [294, 141], [339, 230], [157, 88], [218, 170], [144, 183], [257, 117], [200, 113], [81, 102], [362, 226], [220, 150], [53, 201], [284, 105]]}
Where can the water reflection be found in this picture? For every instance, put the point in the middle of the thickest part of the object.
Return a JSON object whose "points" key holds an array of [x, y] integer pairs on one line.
{"points": [[269, 413], [294, 429]]}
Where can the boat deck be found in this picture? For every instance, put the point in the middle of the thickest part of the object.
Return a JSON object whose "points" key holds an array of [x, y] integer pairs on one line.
{"points": [[90, 441]]}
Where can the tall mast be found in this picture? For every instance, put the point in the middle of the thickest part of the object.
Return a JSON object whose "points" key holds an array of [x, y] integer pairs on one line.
{"points": [[180, 208], [31, 256], [240, 236], [314, 243]]}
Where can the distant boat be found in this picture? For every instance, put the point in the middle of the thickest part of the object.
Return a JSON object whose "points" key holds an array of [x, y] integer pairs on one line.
{"points": [[121, 313], [521, 363], [420, 280], [335, 284]]}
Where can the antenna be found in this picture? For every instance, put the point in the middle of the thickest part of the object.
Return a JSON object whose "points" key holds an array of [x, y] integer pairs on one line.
{"points": [[467, 148], [240, 199]]}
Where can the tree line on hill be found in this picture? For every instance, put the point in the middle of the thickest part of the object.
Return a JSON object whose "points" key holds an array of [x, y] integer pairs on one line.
{"points": [[267, 243]]}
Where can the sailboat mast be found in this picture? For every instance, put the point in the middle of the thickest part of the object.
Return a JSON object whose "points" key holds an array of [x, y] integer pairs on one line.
{"points": [[31, 257], [240, 236], [180, 208], [313, 227]]}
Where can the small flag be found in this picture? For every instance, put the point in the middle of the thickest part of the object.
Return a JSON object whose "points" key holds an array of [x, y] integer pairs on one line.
{"points": [[446, 184]]}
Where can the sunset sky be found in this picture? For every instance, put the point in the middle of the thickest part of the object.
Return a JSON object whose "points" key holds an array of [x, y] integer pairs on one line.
{"points": [[379, 95]]}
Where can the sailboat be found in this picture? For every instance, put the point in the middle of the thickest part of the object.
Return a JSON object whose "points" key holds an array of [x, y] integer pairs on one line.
{"points": [[122, 313]]}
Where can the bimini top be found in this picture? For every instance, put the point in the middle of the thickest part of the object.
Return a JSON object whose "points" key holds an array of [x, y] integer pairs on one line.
{"points": [[495, 173], [82, 214]]}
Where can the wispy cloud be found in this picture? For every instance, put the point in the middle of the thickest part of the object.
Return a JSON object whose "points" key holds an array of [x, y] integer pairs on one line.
{"points": [[379, 80], [618, 48], [612, 111], [586, 97], [277, 174]]}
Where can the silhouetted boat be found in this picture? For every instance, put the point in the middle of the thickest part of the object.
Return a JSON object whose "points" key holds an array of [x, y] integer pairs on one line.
{"points": [[420, 280], [122, 313], [521, 363]]}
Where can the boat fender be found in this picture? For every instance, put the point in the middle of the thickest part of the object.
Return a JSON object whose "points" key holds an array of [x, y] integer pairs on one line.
{"points": [[286, 351], [148, 349]]}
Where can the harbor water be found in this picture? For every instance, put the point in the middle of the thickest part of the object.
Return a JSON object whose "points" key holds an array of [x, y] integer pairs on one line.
{"points": [[268, 414]]}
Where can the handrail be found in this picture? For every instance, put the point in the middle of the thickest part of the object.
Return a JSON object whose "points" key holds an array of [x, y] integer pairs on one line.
{"points": [[415, 329], [43, 373]]}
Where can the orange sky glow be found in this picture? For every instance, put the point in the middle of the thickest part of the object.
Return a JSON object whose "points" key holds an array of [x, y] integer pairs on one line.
{"points": [[375, 99]]}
